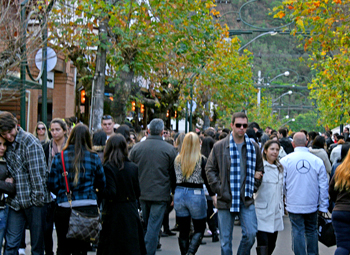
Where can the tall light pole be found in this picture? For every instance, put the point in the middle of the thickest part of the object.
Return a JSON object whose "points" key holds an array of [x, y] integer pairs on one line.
{"points": [[261, 79], [266, 33]]}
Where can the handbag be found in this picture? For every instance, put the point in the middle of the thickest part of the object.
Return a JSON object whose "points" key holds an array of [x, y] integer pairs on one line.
{"points": [[325, 230], [82, 226]]}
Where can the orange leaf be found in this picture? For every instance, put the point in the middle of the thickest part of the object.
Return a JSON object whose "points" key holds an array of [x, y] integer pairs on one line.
{"points": [[281, 15]]}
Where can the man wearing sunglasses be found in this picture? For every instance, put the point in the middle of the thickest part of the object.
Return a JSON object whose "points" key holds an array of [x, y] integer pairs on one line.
{"points": [[108, 125], [234, 170]]}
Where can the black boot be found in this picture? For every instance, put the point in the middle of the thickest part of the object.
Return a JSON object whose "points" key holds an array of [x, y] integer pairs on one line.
{"points": [[262, 250], [194, 244], [183, 244], [215, 237]]}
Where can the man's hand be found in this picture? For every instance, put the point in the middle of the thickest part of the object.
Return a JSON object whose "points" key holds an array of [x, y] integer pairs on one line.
{"points": [[9, 180], [215, 200], [258, 175]]}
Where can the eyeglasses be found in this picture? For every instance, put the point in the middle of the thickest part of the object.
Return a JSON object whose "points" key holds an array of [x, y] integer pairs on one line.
{"points": [[106, 117], [166, 132], [40, 128], [239, 125]]}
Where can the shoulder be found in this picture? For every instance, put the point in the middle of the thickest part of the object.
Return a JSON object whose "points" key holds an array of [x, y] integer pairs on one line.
{"points": [[129, 164]]}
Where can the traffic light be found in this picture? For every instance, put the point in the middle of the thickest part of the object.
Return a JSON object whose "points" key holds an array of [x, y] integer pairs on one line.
{"points": [[82, 96], [175, 115], [142, 108], [167, 113], [133, 106]]}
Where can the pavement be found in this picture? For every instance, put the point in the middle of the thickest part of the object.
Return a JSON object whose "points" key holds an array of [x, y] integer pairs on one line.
{"points": [[170, 244]]}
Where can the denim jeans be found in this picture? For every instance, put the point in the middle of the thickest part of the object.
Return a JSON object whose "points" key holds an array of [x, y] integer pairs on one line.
{"points": [[341, 224], [16, 222], [304, 233], [3, 224], [190, 202], [152, 213], [249, 226]]}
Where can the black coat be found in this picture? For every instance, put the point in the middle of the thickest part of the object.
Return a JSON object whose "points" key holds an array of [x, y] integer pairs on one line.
{"points": [[122, 232], [5, 187]]}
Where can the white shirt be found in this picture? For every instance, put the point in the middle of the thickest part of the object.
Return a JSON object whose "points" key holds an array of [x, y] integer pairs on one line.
{"points": [[305, 182]]}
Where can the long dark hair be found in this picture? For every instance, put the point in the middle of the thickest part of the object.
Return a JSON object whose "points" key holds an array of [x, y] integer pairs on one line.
{"points": [[125, 131], [266, 146], [318, 142], [80, 138], [207, 145], [116, 151]]}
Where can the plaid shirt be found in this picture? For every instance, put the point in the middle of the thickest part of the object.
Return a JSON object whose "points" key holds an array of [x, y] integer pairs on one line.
{"points": [[26, 163], [91, 176]]}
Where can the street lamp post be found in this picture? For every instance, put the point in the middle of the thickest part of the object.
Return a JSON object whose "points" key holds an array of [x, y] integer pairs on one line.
{"points": [[261, 79], [287, 93], [287, 122], [266, 33]]}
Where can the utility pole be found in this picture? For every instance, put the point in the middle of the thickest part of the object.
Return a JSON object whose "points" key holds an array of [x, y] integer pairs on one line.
{"points": [[98, 88]]}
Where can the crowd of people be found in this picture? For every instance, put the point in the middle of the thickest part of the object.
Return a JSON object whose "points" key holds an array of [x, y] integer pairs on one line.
{"points": [[211, 178]]}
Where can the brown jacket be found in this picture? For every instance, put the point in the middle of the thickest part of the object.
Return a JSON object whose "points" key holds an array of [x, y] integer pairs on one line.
{"points": [[218, 172]]}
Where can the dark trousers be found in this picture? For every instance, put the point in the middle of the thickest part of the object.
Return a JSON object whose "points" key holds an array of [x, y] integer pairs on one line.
{"points": [[67, 246], [267, 239], [35, 217], [166, 217], [341, 224], [49, 228]]}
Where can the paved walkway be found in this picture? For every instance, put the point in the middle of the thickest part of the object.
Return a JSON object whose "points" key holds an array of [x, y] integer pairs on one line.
{"points": [[170, 245]]}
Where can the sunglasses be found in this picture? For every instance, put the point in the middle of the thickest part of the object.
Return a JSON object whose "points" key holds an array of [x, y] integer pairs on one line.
{"points": [[239, 125], [107, 117], [40, 128]]}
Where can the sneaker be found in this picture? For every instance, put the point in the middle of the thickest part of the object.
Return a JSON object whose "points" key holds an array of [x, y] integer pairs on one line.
{"points": [[22, 251]]}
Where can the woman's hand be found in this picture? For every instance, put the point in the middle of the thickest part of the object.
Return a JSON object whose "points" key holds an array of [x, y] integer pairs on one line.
{"points": [[258, 175], [215, 200], [9, 180]]}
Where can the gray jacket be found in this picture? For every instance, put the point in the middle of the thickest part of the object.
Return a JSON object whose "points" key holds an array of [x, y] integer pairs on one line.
{"points": [[218, 172], [155, 159]]}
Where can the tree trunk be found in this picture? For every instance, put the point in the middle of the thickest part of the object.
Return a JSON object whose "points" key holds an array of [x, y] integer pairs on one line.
{"points": [[122, 94], [99, 81]]}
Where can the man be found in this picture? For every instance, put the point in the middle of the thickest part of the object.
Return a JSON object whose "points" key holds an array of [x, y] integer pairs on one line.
{"points": [[306, 190], [284, 141], [234, 170], [346, 133], [155, 158], [108, 125], [26, 163]]}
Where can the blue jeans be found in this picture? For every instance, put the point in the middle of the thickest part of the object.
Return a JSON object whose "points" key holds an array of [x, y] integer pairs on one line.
{"points": [[3, 224], [16, 222], [249, 226], [304, 233], [152, 213], [341, 224], [190, 202]]}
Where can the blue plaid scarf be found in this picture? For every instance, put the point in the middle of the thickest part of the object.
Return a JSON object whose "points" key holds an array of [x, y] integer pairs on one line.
{"points": [[235, 169]]}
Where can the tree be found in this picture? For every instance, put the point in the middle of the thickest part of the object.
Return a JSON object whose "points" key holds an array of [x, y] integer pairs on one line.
{"points": [[328, 22]]}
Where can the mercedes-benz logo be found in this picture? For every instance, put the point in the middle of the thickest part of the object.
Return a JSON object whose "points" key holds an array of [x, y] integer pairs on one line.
{"points": [[303, 166]]}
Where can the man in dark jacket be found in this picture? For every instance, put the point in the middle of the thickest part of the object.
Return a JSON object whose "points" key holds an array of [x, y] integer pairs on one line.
{"points": [[234, 170], [155, 158], [284, 141]]}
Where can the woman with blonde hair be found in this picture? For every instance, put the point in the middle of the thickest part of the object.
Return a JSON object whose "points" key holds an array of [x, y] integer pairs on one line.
{"points": [[339, 191], [189, 199], [41, 133]]}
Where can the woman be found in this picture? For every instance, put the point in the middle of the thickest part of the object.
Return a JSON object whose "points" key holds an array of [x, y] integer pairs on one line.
{"points": [[85, 178], [317, 148], [41, 133], [122, 232], [269, 200], [212, 220], [58, 129], [189, 198], [339, 192], [7, 186], [124, 130]]}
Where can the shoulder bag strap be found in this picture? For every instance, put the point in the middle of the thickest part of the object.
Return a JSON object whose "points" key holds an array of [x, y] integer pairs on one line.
{"points": [[65, 174]]}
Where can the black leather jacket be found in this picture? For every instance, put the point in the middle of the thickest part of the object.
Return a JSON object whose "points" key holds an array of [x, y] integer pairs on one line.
{"points": [[5, 187]]}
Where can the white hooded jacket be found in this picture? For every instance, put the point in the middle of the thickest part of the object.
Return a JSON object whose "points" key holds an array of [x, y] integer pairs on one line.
{"points": [[305, 182], [269, 200]]}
